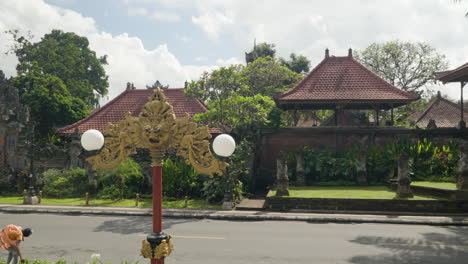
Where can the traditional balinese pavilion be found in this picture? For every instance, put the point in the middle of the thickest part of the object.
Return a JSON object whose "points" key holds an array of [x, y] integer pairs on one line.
{"points": [[440, 112], [460, 75], [342, 83], [133, 100]]}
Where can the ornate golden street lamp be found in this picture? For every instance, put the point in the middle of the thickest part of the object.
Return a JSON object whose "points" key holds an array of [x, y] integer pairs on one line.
{"points": [[157, 130]]}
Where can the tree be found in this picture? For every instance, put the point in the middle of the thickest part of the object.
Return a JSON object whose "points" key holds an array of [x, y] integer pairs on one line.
{"points": [[244, 114], [68, 57], [49, 100], [297, 63], [261, 50], [217, 85], [266, 76], [409, 66]]}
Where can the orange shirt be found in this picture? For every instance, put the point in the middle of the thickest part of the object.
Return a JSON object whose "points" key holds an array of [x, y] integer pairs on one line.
{"points": [[9, 235]]}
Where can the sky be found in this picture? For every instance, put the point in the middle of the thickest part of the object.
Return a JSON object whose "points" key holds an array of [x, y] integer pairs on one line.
{"points": [[174, 41]]}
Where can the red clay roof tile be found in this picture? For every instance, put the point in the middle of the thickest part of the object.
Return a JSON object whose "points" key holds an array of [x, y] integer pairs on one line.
{"points": [[444, 112], [132, 100], [338, 79], [456, 75]]}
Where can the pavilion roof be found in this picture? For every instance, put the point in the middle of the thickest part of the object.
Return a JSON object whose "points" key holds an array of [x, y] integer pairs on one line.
{"points": [[444, 112], [133, 100], [343, 81], [459, 74]]}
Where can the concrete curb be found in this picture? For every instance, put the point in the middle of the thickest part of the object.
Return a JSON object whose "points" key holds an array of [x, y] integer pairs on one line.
{"points": [[247, 215]]}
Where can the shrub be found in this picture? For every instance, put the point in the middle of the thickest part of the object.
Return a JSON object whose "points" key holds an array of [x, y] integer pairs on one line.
{"points": [[215, 188], [67, 184], [180, 179], [323, 165], [435, 163], [122, 182]]}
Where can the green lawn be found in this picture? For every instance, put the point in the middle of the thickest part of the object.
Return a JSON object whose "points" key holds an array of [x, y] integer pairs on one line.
{"points": [[349, 192], [198, 204], [442, 185]]}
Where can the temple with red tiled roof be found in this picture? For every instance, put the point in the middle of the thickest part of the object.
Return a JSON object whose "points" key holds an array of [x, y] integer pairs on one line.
{"points": [[342, 83], [459, 74], [439, 112], [133, 100]]}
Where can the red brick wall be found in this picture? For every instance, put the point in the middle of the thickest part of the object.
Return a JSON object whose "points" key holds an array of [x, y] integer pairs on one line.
{"points": [[271, 142]]}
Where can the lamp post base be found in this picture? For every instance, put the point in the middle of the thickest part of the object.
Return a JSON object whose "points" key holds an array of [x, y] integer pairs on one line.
{"points": [[157, 246], [31, 200]]}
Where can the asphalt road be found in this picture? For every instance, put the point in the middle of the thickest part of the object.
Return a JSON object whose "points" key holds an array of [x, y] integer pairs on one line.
{"points": [[75, 238]]}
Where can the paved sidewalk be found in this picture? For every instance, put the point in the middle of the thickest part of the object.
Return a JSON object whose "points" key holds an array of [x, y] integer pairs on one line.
{"points": [[323, 217]]}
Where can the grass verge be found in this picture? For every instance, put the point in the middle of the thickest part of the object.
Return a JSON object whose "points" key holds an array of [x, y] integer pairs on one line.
{"points": [[345, 192], [193, 204], [441, 185]]}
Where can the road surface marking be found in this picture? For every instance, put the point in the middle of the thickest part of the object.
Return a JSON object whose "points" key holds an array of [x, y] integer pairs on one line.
{"points": [[196, 237]]}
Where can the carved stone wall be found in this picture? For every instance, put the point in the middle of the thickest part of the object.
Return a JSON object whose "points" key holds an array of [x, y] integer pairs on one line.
{"points": [[13, 120]]}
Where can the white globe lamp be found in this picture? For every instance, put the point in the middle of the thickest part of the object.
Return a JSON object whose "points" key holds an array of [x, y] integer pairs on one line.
{"points": [[224, 145], [92, 140]]}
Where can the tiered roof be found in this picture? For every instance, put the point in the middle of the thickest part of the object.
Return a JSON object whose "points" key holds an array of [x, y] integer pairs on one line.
{"points": [[343, 81], [133, 100]]}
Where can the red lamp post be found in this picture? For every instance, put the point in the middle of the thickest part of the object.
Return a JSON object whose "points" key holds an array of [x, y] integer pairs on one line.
{"points": [[157, 130]]}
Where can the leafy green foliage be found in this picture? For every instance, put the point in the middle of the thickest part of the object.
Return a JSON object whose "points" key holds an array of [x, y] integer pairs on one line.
{"points": [[68, 57], [297, 63], [435, 163], [240, 102], [261, 50], [406, 65], [122, 182], [266, 76], [215, 188], [49, 100], [429, 162], [180, 179], [243, 113], [67, 184], [217, 85], [322, 165]]}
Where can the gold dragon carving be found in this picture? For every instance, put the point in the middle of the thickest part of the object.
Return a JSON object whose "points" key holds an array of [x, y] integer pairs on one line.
{"points": [[157, 129], [161, 251]]}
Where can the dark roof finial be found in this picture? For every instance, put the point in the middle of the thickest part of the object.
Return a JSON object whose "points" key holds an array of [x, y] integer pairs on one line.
{"points": [[327, 53], [350, 52]]}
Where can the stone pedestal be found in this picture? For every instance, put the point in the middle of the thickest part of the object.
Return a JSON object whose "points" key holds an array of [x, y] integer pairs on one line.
{"points": [[282, 179], [462, 179], [228, 202], [361, 178], [300, 177], [31, 200], [404, 181]]}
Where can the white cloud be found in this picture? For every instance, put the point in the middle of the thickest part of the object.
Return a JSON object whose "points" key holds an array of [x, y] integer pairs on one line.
{"points": [[213, 22], [165, 16], [308, 27], [183, 38], [137, 11], [229, 61], [129, 60]]}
